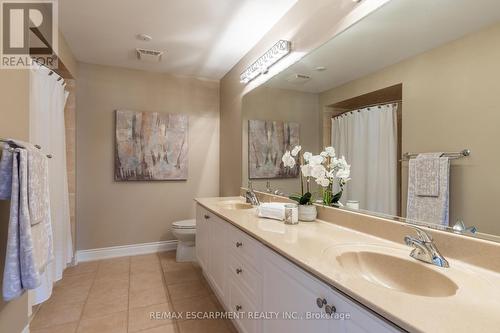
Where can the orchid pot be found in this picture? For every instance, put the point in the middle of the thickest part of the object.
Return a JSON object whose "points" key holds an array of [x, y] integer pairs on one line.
{"points": [[307, 213]]}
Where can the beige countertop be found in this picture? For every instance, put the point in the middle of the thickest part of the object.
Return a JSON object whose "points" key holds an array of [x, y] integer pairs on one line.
{"points": [[314, 246]]}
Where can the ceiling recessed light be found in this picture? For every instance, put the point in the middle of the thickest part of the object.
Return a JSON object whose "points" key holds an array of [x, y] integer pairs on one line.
{"points": [[144, 37], [320, 68]]}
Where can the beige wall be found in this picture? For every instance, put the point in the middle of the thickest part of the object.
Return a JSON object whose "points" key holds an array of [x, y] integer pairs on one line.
{"points": [[450, 102], [308, 24], [14, 122], [265, 103], [113, 213]]}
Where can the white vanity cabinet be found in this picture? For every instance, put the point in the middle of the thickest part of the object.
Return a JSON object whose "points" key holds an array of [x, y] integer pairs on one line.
{"points": [[290, 289], [244, 274], [217, 255], [202, 237], [287, 290], [211, 249], [249, 277]]}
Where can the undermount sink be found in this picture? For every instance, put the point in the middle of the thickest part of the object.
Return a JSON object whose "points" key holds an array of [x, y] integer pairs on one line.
{"points": [[235, 205], [396, 273]]}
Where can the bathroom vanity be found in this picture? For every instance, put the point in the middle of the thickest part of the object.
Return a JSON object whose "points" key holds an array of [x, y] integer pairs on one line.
{"points": [[253, 279], [367, 283]]}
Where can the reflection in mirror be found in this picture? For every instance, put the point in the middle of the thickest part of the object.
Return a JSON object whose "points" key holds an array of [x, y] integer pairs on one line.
{"points": [[407, 95]]}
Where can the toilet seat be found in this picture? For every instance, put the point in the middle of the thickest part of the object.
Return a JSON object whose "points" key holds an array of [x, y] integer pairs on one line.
{"points": [[184, 224]]}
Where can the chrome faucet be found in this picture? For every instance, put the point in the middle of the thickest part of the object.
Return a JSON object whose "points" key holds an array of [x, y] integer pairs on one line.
{"points": [[462, 229], [268, 187], [250, 196], [424, 249]]}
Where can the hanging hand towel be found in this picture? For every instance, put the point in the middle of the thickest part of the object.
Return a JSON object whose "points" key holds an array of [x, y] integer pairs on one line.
{"points": [[427, 208], [427, 174]]}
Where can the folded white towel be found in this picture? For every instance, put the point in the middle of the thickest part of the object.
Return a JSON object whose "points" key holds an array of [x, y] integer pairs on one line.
{"points": [[272, 210], [427, 174]]}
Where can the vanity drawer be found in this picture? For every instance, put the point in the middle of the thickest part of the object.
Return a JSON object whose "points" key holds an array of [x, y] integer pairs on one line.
{"points": [[240, 302], [246, 277], [244, 247]]}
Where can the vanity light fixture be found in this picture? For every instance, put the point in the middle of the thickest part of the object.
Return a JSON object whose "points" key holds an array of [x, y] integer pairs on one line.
{"points": [[262, 65]]}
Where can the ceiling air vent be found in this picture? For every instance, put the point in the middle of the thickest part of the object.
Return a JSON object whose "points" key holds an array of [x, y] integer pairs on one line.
{"points": [[298, 78], [149, 55]]}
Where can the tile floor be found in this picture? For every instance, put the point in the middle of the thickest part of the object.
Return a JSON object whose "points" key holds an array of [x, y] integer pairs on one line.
{"points": [[118, 296]]}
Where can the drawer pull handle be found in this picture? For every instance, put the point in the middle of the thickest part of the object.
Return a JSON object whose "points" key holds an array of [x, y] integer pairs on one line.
{"points": [[330, 309], [239, 244], [321, 302], [206, 217], [238, 307], [239, 271]]}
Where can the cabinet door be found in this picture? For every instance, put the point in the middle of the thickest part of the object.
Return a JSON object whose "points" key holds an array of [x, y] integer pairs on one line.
{"points": [[292, 294], [202, 235], [350, 317], [216, 263]]}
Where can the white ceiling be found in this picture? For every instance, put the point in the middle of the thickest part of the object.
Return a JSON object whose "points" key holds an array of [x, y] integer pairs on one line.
{"points": [[203, 38], [397, 31]]}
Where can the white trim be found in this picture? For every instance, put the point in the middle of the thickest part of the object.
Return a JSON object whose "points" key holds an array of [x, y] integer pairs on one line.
{"points": [[125, 250], [26, 329]]}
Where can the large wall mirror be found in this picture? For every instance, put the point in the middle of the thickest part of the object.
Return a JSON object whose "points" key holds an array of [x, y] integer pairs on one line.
{"points": [[410, 96]]}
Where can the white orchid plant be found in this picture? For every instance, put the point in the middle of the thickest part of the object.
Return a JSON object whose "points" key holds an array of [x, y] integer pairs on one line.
{"points": [[326, 169]]}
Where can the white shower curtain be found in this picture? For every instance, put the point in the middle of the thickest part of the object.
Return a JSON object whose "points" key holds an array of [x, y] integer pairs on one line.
{"points": [[47, 128], [368, 140]]}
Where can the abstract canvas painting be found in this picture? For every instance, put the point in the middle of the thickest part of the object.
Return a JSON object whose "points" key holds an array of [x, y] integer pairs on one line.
{"points": [[151, 146], [267, 142]]}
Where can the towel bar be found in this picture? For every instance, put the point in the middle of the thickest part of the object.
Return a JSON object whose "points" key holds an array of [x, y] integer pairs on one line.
{"points": [[12, 143], [452, 155]]}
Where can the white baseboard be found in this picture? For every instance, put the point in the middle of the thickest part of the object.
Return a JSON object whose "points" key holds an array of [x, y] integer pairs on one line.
{"points": [[26, 329], [125, 250]]}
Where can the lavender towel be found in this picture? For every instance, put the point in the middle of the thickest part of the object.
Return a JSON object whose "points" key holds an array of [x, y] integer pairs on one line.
{"points": [[20, 271], [29, 247], [6, 172]]}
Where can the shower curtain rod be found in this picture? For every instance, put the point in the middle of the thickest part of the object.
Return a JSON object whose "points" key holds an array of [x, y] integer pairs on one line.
{"points": [[396, 101], [52, 71], [13, 145]]}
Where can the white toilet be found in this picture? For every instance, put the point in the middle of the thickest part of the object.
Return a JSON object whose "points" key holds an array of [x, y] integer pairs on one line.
{"points": [[185, 232]]}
